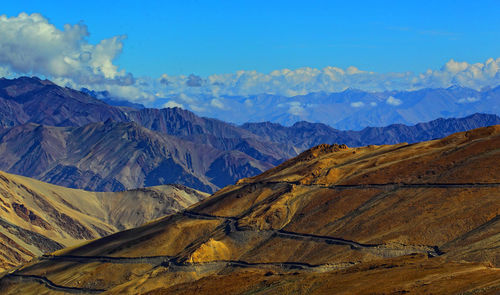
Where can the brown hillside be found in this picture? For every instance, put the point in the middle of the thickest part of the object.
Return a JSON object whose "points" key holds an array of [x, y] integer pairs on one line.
{"points": [[420, 218], [37, 217]]}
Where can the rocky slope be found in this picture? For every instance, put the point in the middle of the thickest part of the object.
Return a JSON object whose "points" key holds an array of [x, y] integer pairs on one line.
{"points": [[114, 156], [38, 217], [403, 218]]}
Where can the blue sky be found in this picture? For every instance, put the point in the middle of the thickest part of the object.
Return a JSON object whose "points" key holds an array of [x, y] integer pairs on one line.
{"points": [[208, 37]]}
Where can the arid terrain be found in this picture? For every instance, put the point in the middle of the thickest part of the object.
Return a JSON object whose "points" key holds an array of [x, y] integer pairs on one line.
{"points": [[38, 217], [407, 218]]}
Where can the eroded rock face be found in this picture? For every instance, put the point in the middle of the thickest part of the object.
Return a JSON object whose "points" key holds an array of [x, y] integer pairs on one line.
{"points": [[115, 156], [30, 216]]}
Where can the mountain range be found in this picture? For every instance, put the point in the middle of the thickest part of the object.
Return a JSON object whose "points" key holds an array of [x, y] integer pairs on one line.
{"points": [[351, 109], [416, 218], [70, 138]]}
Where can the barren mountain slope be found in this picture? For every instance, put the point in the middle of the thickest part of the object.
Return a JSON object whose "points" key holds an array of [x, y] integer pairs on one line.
{"points": [[37, 217], [114, 156], [402, 218]]}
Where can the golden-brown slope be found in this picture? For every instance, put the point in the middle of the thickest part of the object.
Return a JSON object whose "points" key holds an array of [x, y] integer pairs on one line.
{"points": [[36, 217], [424, 213]]}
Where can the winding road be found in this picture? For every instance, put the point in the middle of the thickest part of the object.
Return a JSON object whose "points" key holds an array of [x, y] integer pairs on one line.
{"points": [[231, 225], [394, 185], [21, 278]]}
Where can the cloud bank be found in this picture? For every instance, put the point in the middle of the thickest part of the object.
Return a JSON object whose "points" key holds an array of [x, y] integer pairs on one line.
{"points": [[31, 45], [332, 79]]}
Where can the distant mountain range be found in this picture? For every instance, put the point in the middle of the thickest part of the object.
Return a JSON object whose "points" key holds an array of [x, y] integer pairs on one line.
{"points": [[305, 135], [71, 138], [354, 109]]}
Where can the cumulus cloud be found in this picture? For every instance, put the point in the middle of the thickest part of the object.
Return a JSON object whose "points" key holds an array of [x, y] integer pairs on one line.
{"points": [[307, 80], [296, 108], [164, 80], [187, 99], [248, 102], [197, 108], [393, 101], [4, 72], [30, 44], [357, 104]]}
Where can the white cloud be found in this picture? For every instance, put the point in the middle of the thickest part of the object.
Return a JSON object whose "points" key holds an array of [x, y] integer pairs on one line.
{"points": [[173, 104], [30, 44], [306, 80], [186, 98], [357, 104], [197, 108], [468, 99], [393, 101], [217, 103], [373, 104]]}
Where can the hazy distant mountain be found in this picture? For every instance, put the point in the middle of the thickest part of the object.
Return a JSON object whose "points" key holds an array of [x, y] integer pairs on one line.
{"points": [[70, 138], [355, 109]]}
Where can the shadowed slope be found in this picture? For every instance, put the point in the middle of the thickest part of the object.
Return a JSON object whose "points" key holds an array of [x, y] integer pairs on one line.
{"points": [[114, 156]]}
